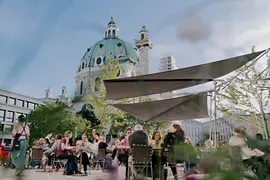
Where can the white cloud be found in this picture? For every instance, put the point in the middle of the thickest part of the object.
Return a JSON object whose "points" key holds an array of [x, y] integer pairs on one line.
{"points": [[229, 37]]}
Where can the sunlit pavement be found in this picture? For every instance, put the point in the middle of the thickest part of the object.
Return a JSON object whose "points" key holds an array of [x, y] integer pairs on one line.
{"points": [[8, 174]]}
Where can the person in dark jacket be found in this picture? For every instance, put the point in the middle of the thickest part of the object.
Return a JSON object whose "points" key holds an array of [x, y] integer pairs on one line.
{"points": [[172, 139], [138, 137]]}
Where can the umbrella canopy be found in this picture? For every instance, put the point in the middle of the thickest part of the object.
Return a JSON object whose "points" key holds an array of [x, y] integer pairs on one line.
{"points": [[174, 80], [193, 106]]}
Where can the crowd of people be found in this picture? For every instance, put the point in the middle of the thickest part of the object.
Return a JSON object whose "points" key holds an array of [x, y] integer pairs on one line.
{"points": [[84, 150]]}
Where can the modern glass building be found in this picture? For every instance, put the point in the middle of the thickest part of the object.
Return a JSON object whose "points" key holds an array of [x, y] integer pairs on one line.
{"points": [[11, 106]]}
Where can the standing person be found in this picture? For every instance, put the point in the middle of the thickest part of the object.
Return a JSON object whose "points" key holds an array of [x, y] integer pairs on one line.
{"points": [[156, 158], [172, 139], [21, 135]]}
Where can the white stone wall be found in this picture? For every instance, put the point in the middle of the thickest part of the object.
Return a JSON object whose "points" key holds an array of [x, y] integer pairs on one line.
{"points": [[144, 60]]}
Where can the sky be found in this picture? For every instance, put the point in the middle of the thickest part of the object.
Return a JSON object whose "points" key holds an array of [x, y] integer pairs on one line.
{"points": [[42, 42]]}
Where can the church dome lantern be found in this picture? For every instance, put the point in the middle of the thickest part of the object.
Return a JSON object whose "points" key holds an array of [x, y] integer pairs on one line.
{"points": [[112, 30]]}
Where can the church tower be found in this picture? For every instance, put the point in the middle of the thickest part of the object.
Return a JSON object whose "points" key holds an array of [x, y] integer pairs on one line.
{"points": [[144, 44], [64, 91], [49, 94]]}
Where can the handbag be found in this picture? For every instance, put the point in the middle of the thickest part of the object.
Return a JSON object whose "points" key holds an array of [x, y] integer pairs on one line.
{"points": [[16, 143]]}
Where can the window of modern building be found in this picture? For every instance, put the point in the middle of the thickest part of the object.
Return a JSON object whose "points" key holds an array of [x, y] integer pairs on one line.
{"points": [[3, 99], [11, 101], [20, 103], [17, 115], [8, 128], [2, 115], [31, 105], [10, 116]]}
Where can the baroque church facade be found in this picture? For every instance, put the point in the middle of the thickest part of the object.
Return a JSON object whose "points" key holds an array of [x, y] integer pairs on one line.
{"points": [[133, 59]]}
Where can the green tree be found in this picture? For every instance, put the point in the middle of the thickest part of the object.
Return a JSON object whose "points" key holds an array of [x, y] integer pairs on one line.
{"points": [[56, 118], [127, 121], [247, 93], [103, 110]]}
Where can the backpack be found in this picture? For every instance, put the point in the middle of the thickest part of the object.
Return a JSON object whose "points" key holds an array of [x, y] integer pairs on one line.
{"points": [[16, 143], [69, 169], [108, 163]]}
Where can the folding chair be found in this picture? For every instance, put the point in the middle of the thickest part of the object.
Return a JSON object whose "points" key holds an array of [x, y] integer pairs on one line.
{"points": [[100, 160], [37, 155], [141, 160]]}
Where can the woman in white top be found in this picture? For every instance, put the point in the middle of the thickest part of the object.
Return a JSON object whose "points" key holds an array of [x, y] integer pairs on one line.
{"points": [[156, 140], [238, 140], [84, 150], [21, 135]]}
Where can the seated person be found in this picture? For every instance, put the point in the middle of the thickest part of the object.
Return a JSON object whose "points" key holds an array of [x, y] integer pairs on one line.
{"points": [[84, 150], [103, 145], [139, 137], [248, 155], [64, 151], [113, 140]]}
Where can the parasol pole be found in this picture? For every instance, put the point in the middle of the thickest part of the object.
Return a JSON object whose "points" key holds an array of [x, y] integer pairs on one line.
{"points": [[215, 113], [210, 117]]}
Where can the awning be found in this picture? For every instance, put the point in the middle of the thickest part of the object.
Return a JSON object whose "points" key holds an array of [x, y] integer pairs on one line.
{"points": [[188, 107], [174, 80]]}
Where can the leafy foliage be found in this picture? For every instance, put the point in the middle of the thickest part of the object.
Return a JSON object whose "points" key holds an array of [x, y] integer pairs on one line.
{"points": [[127, 121], [118, 120], [245, 93], [103, 110], [55, 118], [225, 162]]}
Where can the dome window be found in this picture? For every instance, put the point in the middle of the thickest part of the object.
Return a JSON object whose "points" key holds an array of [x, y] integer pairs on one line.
{"points": [[81, 87], [99, 60], [101, 45], [88, 49], [104, 60], [83, 65], [113, 33], [119, 44]]}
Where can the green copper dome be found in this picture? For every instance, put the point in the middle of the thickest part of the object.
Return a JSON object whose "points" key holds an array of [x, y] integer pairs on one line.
{"points": [[110, 47], [113, 48]]}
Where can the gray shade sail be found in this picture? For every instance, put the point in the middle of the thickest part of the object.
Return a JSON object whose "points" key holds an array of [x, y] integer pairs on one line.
{"points": [[181, 108], [174, 80]]}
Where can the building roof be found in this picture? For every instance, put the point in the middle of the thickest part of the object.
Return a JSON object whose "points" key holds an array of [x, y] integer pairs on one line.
{"points": [[143, 29]]}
